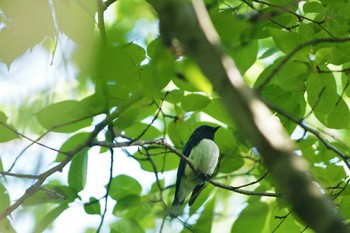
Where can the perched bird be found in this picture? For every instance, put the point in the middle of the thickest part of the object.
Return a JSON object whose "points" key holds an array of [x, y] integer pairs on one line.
{"points": [[204, 154]]}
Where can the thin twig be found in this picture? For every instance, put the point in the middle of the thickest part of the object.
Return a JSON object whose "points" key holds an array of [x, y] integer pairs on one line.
{"points": [[28, 138], [36, 141], [28, 176], [283, 219], [314, 132], [112, 135], [254, 182], [154, 118], [100, 20]]}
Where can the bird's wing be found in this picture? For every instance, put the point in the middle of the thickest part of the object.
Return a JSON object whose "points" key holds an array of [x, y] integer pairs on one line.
{"points": [[182, 166], [196, 191]]}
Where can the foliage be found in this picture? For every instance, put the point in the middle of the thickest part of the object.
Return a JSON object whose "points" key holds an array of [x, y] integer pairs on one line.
{"points": [[132, 90]]}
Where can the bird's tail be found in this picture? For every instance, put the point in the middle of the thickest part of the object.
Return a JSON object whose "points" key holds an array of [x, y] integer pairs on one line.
{"points": [[176, 208]]}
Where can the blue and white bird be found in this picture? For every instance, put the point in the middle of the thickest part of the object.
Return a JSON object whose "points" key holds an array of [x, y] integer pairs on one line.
{"points": [[203, 152]]}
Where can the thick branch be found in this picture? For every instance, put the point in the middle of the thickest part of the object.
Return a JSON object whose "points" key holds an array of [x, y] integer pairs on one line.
{"points": [[191, 25]]}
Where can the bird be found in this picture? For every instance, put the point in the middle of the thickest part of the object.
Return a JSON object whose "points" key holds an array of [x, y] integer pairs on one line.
{"points": [[203, 152]]}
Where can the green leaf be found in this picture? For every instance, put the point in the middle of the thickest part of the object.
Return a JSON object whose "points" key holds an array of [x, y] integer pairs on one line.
{"points": [[334, 55], [288, 224], [45, 195], [175, 96], [245, 55], [49, 218], [65, 193], [328, 176], [136, 52], [66, 117], [4, 197], [287, 41], [158, 73], [306, 145], [179, 132], [72, 143], [313, 7], [323, 155], [329, 108], [153, 47], [123, 186], [190, 77], [137, 128], [231, 161], [10, 53], [126, 225], [2, 167], [228, 26], [292, 76], [117, 66], [194, 102], [269, 52], [205, 221], [135, 207], [126, 203], [163, 160], [5, 133], [78, 171], [218, 111], [17, 37], [344, 203], [127, 118], [73, 15], [257, 211], [5, 226], [291, 102], [93, 207], [202, 197], [93, 104], [225, 140]]}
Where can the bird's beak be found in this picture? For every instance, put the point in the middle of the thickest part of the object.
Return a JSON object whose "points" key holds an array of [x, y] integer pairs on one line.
{"points": [[216, 128]]}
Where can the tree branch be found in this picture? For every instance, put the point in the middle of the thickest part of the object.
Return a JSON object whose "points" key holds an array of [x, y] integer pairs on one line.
{"points": [[101, 21], [311, 130], [191, 25], [70, 154], [172, 149], [108, 188], [27, 176]]}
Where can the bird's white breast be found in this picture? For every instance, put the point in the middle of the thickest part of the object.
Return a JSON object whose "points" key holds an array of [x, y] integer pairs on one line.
{"points": [[205, 156]]}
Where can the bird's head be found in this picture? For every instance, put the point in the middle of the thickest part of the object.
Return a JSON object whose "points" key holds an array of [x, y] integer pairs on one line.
{"points": [[205, 131]]}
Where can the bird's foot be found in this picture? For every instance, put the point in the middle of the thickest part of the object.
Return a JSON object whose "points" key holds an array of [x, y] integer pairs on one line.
{"points": [[204, 176]]}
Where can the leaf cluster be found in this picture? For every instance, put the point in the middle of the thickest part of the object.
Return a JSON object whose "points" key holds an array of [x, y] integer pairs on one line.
{"points": [[295, 55]]}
